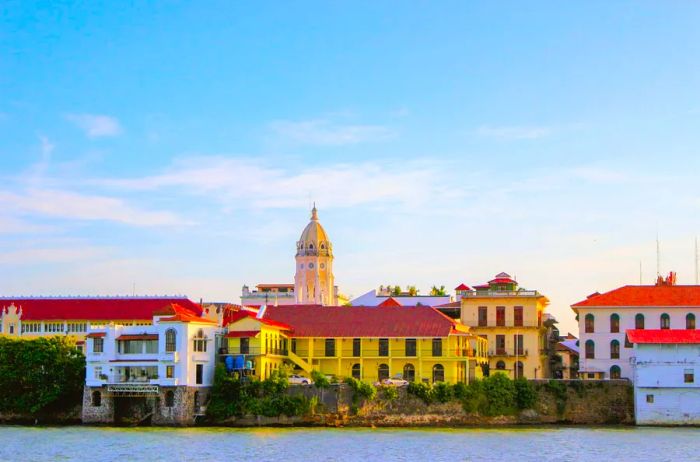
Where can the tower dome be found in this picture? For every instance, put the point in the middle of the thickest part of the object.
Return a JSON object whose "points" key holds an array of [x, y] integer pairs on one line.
{"points": [[314, 240]]}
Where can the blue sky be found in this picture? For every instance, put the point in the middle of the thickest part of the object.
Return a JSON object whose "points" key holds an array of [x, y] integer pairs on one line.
{"points": [[177, 146]]}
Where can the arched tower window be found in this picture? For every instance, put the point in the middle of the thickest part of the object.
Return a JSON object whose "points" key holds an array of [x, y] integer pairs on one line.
{"points": [[639, 321], [590, 349], [614, 349], [589, 323], [614, 323], [690, 321], [665, 321]]}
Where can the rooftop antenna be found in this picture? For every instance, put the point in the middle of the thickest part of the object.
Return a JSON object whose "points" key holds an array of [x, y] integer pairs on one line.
{"points": [[133, 290]]}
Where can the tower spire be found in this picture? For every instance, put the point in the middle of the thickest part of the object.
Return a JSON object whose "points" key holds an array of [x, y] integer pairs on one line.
{"points": [[314, 213]]}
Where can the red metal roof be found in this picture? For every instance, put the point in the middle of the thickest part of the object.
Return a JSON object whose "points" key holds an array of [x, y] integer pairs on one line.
{"points": [[681, 296], [242, 314], [181, 314], [391, 301], [242, 333], [95, 309], [663, 336], [362, 321], [138, 337], [463, 287]]}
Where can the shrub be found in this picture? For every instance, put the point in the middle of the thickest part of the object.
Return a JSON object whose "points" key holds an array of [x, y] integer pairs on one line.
{"points": [[500, 395], [391, 393], [320, 380], [361, 389], [420, 390], [460, 390], [442, 392], [525, 394]]}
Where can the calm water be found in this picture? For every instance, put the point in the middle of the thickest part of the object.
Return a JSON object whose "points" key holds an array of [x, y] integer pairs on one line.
{"points": [[367, 445]]}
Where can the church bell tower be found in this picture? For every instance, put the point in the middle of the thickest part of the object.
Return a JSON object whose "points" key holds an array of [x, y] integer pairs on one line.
{"points": [[314, 283]]}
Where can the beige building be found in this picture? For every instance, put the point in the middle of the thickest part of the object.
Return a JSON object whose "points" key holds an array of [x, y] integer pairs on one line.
{"points": [[314, 283], [511, 320]]}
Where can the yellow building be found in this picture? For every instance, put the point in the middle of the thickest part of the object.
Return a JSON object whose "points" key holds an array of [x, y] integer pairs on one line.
{"points": [[510, 318], [314, 282], [368, 343]]}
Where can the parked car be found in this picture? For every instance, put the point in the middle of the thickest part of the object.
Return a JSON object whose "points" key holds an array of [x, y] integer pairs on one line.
{"points": [[395, 381], [299, 380]]}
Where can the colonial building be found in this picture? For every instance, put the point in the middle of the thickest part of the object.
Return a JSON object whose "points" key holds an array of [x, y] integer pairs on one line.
{"points": [[74, 316], [665, 366], [568, 351], [160, 372], [604, 319], [511, 319], [368, 343], [314, 282], [377, 297]]}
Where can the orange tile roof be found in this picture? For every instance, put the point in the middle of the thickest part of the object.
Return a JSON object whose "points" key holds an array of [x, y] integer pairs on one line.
{"points": [[667, 296], [181, 314], [663, 336]]}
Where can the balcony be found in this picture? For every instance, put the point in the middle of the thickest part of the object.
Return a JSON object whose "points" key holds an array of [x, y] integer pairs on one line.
{"points": [[508, 352], [132, 389], [254, 351], [501, 293]]}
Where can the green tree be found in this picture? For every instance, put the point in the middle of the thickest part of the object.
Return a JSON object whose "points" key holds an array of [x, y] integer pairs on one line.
{"points": [[396, 290], [412, 291], [438, 292]]}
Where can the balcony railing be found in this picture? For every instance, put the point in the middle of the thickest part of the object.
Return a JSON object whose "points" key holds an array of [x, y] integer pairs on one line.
{"points": [[501, 293], [508, 352], [254, 351]]}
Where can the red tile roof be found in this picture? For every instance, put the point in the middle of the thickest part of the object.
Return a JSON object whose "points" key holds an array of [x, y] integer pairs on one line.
{"points": [[181, 314], [663, 336], [391, 301], [362, 321], [94, 309], [96, 335], [463, 287], [238, 315], [681, 296]]}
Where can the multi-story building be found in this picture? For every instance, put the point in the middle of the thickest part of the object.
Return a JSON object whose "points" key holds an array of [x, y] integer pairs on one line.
{"points": [[29, 317], [268, 294], [666, 364], [382, 296], [511, 319], [162, 371], [568, 351], [604, 319], [368, 343]]}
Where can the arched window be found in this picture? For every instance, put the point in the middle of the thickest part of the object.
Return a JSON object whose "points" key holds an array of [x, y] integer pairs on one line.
{"points": [[590, 349], [169, 398], [518, 369], [170, 340], [409, 372], [615, 372], [438, 373], [383, 372], [639, 321], [356, 371], [614, 323], [665, 322], [96, 398], [614, 349], [501, 366], [589, 323], [690, 321]]}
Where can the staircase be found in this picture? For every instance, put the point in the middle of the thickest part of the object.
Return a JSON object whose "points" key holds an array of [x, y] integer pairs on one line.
{"points": [[299, 361]]}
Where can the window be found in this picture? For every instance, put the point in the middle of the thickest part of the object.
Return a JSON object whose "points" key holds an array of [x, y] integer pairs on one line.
{"points": [[409, 372], [169, 372], [438, 373], [500, 344], [614, 323], [614, 349], [500, 315], [199, 343], [518, 369], [501, 366], [437, 347], [690, 321], [330, 347], [650, 399], [31, 327], [628, 344], [688, 376], [98, 345], [98, 372], [383, 347], [483, 316], [357, 347], [410, 347], [170, 340], [518, 341], [383, 372], [169, 398], [294, 346], [96, 398], [518, 316], [590, 349], [245, 345], [77, 327], [665, 322], [589, 323], [615, 372], [151, 346], [356, 371], [199, 379], [639, 321]]}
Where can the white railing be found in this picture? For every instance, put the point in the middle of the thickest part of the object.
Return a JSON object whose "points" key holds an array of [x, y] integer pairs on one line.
{"points": [[502, 293]]}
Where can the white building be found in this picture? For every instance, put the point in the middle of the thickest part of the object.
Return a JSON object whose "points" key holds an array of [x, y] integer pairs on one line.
{"points": [[666, 363], [161, 371], [268, 294], [604, 319], [376, 297]]}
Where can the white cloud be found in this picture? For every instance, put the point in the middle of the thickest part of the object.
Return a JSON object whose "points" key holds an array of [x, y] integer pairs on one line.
{"points": [[70, 205], [249, 183], [514, 132], [95, 125], [50, 255], [326, 133]]}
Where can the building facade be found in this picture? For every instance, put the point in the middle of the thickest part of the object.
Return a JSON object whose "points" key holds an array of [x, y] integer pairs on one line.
{"points": [[666, 382], [511, 320], [604, 319], [161, 372], [314, 282], [368, 343], [268, 294]]}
